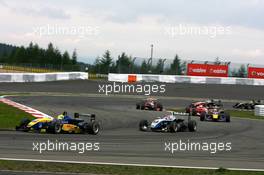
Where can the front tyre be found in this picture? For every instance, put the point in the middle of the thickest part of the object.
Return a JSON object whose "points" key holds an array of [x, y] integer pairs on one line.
{"points": [[55, 127], [23, 125]]}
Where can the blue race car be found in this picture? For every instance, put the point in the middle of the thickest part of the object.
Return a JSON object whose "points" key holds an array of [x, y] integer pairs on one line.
{"points": [[169, 123]]}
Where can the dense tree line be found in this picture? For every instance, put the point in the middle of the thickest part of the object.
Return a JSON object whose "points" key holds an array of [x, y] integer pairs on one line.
{"points": [[126, 64], [53, 58], [35, 55]]}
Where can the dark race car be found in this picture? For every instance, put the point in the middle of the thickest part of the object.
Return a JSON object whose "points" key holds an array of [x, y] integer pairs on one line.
{"points": [[149, 104], [215, 113], [248, 105], [61, 124], [172, 122], [197, 108]]}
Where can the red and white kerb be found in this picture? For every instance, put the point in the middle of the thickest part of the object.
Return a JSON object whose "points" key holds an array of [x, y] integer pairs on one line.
{"points": [[27, 109]]}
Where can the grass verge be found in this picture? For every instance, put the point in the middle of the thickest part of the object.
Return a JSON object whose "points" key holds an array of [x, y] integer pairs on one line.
{"points": [[112, 169], [244, 114], [10, 116]]}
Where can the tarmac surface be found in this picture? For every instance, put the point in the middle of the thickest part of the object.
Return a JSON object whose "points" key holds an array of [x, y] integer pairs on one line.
{"points": [[120, 140]]}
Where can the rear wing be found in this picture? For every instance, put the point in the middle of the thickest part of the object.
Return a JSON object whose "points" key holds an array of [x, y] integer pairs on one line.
{"points": [[181, 114], [92, 116]]}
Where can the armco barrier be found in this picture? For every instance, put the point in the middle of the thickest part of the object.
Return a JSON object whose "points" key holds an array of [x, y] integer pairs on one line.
{"points": [[185, 79], [41, 77]]}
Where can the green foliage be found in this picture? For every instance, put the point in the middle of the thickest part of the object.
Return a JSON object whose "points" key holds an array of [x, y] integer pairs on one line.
{"points": [[10, 116], [124, 63], [159, 67], [242, 71], [103, 64], [33, 54], [144, 67], [74, 57], [176, 67]]}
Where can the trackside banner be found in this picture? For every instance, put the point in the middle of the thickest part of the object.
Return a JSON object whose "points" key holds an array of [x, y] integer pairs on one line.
{"points": [[255, 72], [207, 70]]}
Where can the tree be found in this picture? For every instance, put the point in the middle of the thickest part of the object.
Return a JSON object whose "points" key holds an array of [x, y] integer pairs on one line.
{"points": [[123, 64], [144, 67], [176, 67], [65, 58], [159, 67], [106, 62], [234, 73], [74, 57], [242, 71]]}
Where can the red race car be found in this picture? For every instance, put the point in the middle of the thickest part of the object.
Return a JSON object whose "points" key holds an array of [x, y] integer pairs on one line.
{"points": [[197, 108], [149, 104]]}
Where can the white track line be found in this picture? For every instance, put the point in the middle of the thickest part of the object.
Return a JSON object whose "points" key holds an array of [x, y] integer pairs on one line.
{"points": [[128, 164]]}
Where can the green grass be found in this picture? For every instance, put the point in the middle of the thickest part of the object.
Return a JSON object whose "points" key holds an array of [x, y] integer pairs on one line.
{"points": [[244, 114], [10, 116], [112, 169]]}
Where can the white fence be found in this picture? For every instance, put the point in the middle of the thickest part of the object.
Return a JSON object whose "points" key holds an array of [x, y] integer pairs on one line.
{"points": [[184, 79], [41, 77]]}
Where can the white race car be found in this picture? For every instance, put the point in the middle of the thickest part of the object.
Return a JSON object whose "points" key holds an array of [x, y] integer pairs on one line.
{"points": [[169, 123]]}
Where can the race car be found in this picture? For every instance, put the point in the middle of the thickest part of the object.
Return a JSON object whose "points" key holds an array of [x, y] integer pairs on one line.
{"points": [[62, 124], [248, 105], [197, 108], [172, 122], [215, 113], [149, 104]]}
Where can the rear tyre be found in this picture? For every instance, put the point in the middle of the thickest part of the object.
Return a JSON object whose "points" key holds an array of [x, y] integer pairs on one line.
{"points": [[192, 125], [143, 125], [227, 117], [93, 128], [137, 106]]}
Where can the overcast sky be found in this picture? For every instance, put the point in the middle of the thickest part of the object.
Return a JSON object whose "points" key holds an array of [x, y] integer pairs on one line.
{"points": [[202, 30]]}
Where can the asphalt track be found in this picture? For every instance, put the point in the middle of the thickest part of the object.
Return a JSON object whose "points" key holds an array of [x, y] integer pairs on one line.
{"points": [[121, 142]]}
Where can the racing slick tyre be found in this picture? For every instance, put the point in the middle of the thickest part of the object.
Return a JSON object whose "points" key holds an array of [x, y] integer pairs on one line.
{"points": [[143, 125], [137, 106], [55, 127], [203, 115], [192, 125], [93, 127], [227, 117], [23, 124], [174, 127]]}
